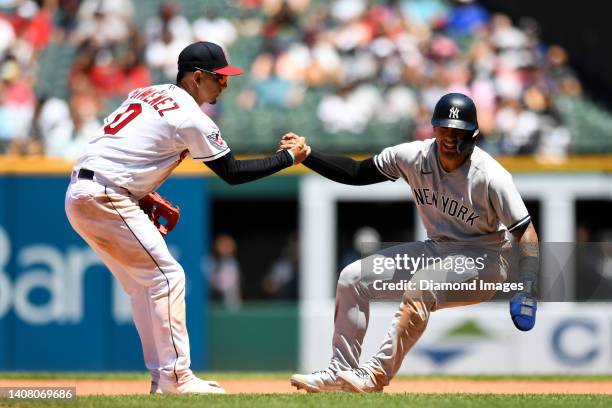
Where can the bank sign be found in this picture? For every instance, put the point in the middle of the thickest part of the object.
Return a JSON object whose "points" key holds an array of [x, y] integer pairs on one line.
{"points": [[60, 308]]}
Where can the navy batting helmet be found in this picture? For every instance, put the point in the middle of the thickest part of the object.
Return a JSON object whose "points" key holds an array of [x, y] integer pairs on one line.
{"points": [[456, 110]]}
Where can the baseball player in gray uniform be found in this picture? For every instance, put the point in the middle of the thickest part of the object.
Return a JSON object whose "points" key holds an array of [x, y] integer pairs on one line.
{"points": [[472, 212]]}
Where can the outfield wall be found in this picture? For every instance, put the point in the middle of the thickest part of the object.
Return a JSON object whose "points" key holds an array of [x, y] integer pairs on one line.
{"points": [[480, 339], [59, 307], [568, 337]]}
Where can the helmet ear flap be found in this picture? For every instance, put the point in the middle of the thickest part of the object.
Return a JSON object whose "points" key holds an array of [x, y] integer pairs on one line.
{"points": [[466, 144]]}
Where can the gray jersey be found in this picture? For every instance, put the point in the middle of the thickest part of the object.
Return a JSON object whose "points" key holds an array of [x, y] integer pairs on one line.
{"points": [[477, 202]]}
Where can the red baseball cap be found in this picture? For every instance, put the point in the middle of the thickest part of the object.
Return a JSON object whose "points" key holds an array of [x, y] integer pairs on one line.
{"points": [[206, 56]]}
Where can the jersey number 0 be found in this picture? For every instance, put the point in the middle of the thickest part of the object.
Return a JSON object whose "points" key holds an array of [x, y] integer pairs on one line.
{"points": [[122, 118]]}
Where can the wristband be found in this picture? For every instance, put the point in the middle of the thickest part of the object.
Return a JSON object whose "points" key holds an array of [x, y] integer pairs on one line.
{"points": [[528, 269], [292, 156]]}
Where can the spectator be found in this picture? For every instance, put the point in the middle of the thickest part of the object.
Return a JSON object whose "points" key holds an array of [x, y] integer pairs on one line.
{"points": [[554, 140], [18, 103], [54, 125], [169, 19], [38, 24], [282, 279], [215, 29], [161, 54], [467, 17], [96, 65], [131, 69], [561, 76], [65, 129], [400, 104], [271, 84], [67, 18], [354, 63], [225, 272], [7, 36], [348, 10], [105, 22], [325, 62], [85, 127], [350, 108], [5, 128], [282, 22], [425, 13]]}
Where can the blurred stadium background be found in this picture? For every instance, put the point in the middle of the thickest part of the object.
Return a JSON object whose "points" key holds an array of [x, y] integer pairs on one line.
{"points": [[353, 76]]}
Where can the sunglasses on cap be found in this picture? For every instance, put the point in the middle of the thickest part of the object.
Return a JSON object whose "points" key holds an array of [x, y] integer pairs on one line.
{"points": [[222, 79]]}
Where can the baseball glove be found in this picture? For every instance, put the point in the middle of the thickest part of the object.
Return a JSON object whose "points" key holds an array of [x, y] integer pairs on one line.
{"points": [[158, 208]]}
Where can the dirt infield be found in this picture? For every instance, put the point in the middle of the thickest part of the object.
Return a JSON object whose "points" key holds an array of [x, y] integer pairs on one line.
{"points": [[267, 386]]}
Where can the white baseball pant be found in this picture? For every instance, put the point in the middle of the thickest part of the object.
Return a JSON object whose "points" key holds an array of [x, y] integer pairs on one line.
{"points": [[120, 233]]}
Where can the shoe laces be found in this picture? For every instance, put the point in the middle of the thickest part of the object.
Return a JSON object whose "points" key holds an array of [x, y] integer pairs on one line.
{"points": [[362, 373], [326, 373]]}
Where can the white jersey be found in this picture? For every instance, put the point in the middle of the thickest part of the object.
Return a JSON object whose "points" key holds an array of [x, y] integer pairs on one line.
{"points": [[477, 202], [148, 136]]}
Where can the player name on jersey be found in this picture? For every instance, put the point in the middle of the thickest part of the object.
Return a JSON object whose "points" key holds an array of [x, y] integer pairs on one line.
{"points": [[450, 206], [158, 99]]}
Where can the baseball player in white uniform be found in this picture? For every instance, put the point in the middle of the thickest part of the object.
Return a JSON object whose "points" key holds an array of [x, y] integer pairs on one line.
{"points": [[136, 150], [470, 208]]}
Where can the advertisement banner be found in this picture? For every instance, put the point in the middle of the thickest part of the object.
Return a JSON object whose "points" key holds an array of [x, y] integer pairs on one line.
{"points": [[60, 308], [569, 338]]}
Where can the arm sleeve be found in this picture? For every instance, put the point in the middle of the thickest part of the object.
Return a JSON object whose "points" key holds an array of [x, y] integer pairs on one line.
{"points": [[344, 169], [235, 171], [507, 202]]}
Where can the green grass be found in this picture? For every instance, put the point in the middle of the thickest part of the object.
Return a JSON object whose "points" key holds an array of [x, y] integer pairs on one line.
{"points": [[316, 400], [332, 400]]}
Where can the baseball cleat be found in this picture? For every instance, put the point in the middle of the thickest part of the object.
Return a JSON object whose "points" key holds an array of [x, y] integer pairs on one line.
{"points": [[359, 380], [193, 386], [318, 381]]}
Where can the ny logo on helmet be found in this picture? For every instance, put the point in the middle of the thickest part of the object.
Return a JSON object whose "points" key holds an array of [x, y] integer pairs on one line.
{"points": [[454, 113]]}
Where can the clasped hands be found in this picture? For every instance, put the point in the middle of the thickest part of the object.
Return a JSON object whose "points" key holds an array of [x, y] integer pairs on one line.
{"points": [[296, 144]]}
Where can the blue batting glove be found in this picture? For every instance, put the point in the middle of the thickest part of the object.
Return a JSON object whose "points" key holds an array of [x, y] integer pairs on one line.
{"points": [[523, 311]]}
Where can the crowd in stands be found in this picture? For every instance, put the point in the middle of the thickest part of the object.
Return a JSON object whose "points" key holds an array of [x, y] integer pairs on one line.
{"points": [[385, 61]]}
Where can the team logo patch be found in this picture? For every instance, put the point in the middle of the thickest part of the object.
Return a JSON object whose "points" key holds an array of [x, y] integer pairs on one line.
{"points": [[454, 113], [216, 140]]}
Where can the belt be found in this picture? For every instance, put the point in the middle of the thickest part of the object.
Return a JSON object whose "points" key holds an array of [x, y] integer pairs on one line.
{"points": [[85, 174]]}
